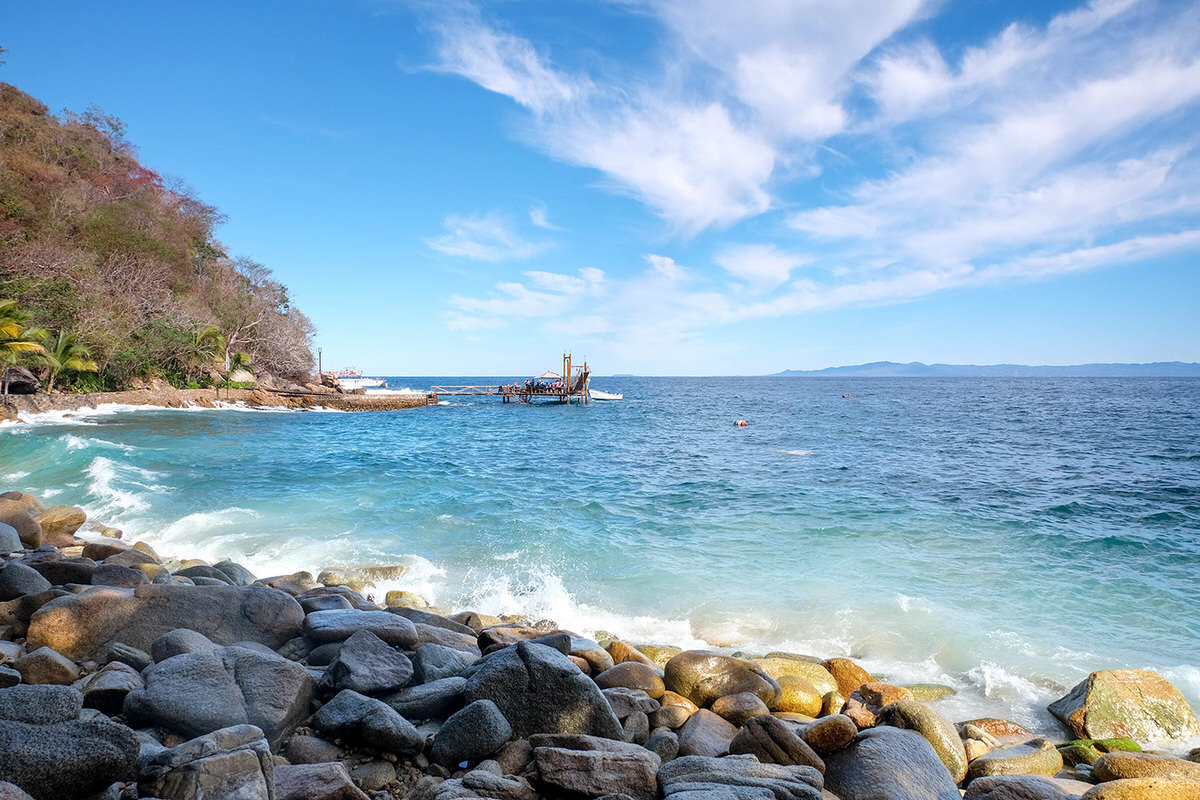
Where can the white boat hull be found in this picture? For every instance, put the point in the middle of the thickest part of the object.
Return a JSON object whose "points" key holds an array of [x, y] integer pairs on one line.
{"points": [[596, 394]]}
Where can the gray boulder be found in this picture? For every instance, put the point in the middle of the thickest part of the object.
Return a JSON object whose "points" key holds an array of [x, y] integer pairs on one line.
{"points": [[1015, 787], [434, 662], [236, 573], [60, 571], [367, 665], [706, 734], [10, 540], [890, 763], [9, 677], [18, 578], [738, 778], [10, 791], [178, 642], [329, 781], [66, 760], [592, 766], [339, 625], [40, 705], [914, 715], [436, 699], [193, 694], [365, 720], [471, 734], [84, 626], [771, 741], [229, 764], [106, 689], [540, 690], [116, 575]]}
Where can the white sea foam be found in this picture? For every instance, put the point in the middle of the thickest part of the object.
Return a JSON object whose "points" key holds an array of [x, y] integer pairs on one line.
{"points": [[112, 501], [796, 452], [75, 442], [13, 477]]}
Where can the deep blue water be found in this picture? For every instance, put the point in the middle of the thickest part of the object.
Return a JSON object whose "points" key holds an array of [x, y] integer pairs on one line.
{"points": [[1005, 536]]}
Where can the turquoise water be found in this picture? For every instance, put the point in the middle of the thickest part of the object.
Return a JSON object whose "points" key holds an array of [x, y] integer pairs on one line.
{"points": [[1004, 536]]}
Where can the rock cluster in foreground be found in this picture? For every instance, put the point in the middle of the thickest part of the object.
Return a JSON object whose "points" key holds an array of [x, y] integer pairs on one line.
{"points": [[125, 675]]}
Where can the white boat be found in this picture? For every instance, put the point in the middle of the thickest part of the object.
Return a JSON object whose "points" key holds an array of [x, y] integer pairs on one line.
{"points": [[349, 379], [596, 394]]}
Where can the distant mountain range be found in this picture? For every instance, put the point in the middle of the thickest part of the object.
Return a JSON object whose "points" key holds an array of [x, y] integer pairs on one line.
{"points": [[915, 369]]}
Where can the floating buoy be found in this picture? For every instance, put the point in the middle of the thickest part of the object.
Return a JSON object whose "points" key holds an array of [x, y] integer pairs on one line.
{"points": [[845, 397], [739, 423]]}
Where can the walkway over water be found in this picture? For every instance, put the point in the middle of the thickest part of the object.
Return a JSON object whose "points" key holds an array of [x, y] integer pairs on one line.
{"points": [[570, 385]]}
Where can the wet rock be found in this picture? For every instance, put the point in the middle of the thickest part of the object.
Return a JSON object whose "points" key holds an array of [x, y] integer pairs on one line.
{"points": [[475, 621], [938, 731], [676, 709], [621, 653], [658, 654], [706, 734], [46, 665], [337, 626], [1037, 757], [877, 695], [890, 763], [433, 634], [738, 709], [702, 676], [18, 579], [847, 674], [1145, 789], [106, 689], [84, 626], [328, 781], [193, 694], [829, 734], [1119, 765], [40, 705], [1015, 787], [471, 734], [436, 699], [1133, 703], [632, 675], [540, 691], [931, 692], [66, 760], [232, 763], [1089, 751], [365, 720], [771, 741], [798, 696], [368, 665], [434, 661], [779, 664], [736, 778], [235, 573], [591, 766]]}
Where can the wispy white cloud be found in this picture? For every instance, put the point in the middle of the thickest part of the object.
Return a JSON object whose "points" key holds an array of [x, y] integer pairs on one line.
{"points": [[485, 237], [1039, 151], [539, 215]]}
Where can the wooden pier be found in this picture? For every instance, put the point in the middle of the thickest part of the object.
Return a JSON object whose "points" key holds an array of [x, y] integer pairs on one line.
{"points": [[572, 384]]}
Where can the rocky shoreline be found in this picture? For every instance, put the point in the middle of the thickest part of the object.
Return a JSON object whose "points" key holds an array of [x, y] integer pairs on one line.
{"points": [[168, 397], [125, 673]]}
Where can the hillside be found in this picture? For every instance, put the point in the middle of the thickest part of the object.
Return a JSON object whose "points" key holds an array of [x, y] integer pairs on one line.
{"points": [[95, 244], [915, 369]]}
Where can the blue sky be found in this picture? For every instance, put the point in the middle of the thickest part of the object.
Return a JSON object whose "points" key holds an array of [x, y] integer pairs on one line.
{"points": [[674, 186]]}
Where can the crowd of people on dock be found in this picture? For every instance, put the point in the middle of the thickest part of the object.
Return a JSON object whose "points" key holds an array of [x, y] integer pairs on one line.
{"points": [[532, 387]]}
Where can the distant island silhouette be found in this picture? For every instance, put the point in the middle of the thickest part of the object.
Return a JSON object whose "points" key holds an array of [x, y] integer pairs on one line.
{"points": [[916, 369]]}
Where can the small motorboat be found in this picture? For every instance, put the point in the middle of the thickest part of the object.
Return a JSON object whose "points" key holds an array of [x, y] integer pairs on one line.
{"points": [[596, 394]]}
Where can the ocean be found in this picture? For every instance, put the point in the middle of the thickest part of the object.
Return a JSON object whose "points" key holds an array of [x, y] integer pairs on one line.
{"points": [[1002, 536]]}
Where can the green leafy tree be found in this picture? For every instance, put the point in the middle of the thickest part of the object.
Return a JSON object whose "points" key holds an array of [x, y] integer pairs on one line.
{"points": [[208, 349], [67, 355]]}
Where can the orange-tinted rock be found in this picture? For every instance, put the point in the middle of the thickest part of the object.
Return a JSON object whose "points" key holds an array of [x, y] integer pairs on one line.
{"points": [[849, 675]]}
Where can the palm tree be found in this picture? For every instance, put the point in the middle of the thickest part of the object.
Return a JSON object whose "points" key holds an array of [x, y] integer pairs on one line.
{"points": [[208, 348], [239, 361], [67, 356], [15, 338]]}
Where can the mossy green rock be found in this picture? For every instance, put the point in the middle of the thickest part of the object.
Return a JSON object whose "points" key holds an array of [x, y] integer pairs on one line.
{"points": [[1037, 757], [1130, 703], [931, 692], [1088, 751]]}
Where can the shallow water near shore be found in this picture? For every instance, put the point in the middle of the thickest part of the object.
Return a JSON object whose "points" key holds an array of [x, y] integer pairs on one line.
{"points": [[1002, 536]]}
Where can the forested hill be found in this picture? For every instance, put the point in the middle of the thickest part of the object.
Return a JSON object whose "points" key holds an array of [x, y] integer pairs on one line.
{"points": [[93, 243]]}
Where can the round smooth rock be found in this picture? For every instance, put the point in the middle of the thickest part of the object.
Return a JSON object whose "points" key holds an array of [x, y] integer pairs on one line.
{"points": [[829, 734], [1119, 765], [848, 675], [798, 696], [702, 676], [738, 709], [632, 675], [705, 734], [179, 641], [1037, 757], [939, 732]]}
